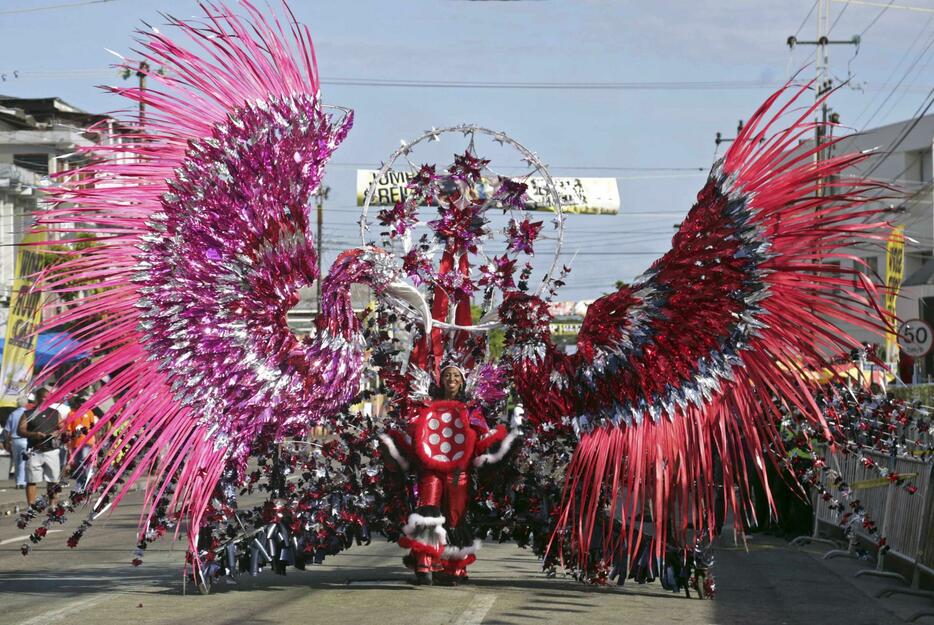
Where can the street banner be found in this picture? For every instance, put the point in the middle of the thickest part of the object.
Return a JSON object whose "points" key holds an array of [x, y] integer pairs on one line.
{"points": [[894, 272], [19, 350], [588, 196]]}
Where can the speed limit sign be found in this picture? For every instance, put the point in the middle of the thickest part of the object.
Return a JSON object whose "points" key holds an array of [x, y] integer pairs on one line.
{"points": [[915, 337]]}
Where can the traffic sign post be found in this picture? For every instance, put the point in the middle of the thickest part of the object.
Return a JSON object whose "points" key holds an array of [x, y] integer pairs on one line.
{"points": [[915, 338]]}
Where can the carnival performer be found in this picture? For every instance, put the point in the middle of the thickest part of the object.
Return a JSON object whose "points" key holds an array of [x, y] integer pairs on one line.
{"points": [[442, 440], [202, 233]]}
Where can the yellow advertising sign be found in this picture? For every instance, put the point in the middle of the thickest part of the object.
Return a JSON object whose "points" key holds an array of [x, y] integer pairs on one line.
{"points": [[894, 273], [590, 196], [19, 350]]}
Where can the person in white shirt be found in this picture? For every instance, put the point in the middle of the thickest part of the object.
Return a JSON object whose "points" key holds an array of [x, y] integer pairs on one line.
{"points": [[42, 429], [16, 444]]}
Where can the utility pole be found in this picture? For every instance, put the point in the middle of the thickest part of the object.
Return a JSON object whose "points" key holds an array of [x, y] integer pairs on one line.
{"points": [[721, 139], [141, 73], [824, 85], [823, 80], [321, 194]]}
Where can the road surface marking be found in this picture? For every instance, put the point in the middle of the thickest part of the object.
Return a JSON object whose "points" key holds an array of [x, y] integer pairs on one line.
{"points": [[67, 611], [475, 612], [26, 537]]}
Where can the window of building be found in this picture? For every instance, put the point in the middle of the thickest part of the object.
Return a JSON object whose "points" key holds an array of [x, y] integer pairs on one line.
{"points": [[831, 273], [925, 165], [38, 163], [918, 167]]}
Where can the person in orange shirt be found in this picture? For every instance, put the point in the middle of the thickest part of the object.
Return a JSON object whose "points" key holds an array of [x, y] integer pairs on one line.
{"points": [[80, 442]]}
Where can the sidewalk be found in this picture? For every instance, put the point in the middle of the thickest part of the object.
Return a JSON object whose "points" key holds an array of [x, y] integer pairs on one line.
{"points": [[11, 500], [775, 578]]}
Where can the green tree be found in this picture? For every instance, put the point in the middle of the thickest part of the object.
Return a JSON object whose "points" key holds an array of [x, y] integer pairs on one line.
{"points": [[496, 339]]}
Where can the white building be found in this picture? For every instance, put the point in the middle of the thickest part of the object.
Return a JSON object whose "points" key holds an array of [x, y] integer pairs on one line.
{"points": [[39, 137], [18, 197], [903, 159]]}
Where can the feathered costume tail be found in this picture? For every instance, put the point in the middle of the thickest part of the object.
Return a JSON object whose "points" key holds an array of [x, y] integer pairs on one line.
{"points": [[193, 230]]}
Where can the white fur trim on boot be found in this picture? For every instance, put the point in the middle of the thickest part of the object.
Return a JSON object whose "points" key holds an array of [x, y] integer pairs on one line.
{"points": [[394, 451], [459, 553], [504, 448], [426, 529]]}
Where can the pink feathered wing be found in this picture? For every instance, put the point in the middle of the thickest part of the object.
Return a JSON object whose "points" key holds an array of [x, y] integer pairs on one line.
{"points": [[198, 240]]}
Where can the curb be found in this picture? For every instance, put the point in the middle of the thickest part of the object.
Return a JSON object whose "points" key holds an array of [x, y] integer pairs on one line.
{"points": [[9, 509]]}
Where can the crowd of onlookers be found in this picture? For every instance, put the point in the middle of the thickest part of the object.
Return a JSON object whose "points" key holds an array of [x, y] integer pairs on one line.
{"points": [[48, 443]]}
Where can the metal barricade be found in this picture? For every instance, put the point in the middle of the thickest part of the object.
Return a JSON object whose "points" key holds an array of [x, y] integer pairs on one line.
{"points": [[822, 510], [905, 520], [847, 467], [909, 518]]}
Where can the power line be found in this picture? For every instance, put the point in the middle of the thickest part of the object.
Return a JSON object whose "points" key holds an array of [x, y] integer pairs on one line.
{"points": [[466, 84], [555, 167], [905, 133], [904, 91], [891, 75], [88, 73], [905, 7], [600, 86], [839, 15], [876, 18], [54, 6], [594, 253], [904, 76], [806, 18]]}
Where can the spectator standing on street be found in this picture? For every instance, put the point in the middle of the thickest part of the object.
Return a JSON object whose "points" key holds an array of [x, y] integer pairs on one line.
{"points": [[79, 442], [16, 444], [64, 409], [41, 430]]}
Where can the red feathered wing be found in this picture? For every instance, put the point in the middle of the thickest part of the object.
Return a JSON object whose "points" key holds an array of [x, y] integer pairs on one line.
{"points": [[684, 364]]}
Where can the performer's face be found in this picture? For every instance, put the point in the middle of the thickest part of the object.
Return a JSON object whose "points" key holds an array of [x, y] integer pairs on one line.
{"points": [[452, 381]]}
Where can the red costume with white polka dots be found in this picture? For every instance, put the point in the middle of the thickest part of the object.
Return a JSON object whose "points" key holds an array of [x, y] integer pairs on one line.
{"points": [[443, 439]]}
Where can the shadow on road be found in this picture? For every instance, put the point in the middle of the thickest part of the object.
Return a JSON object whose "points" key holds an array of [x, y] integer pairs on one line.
{"points": [[66, 581]]}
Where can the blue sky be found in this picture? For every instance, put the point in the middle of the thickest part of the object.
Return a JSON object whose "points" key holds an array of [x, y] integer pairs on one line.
{"points": [[61, 52]]}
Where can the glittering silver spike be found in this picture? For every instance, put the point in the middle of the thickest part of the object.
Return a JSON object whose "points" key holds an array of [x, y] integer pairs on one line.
{"points": [[670, 400], [636, 415], [692, 395], [558, 380], [420, 383], [757, 296]]}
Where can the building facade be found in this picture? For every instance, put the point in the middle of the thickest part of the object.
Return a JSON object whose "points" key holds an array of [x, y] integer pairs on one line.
{"points": [[903, 159], [39, 139]]}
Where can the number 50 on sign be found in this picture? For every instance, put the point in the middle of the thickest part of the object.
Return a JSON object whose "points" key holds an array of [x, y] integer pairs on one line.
{"points": [[915, 337]]}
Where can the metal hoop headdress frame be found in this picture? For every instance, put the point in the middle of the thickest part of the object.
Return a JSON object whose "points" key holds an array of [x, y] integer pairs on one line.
{"points": [[536, 165]]}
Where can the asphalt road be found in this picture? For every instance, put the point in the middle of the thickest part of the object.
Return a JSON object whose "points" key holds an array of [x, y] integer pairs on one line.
{"points": [[771, 584]]}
